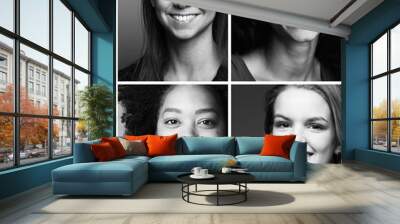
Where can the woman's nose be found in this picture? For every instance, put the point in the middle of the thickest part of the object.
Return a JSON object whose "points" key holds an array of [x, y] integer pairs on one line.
{"points": [[188, 131], [180, 6], [299, 132]]}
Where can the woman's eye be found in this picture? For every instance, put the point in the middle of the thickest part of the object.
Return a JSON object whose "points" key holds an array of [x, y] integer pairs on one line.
{"points": [[316, 126], [207, 123], [281, 124], [172, 122]]}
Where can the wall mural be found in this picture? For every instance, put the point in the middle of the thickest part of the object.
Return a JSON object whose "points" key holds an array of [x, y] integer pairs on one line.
{"points": [[265, 51], [184, 45], [188, 110]]}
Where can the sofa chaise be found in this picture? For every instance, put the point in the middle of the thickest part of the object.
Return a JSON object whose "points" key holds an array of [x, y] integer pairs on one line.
{"points": [[125, 176]]}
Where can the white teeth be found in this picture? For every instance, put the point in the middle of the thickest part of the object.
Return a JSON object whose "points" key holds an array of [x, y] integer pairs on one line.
{"points": [[183, 18]]}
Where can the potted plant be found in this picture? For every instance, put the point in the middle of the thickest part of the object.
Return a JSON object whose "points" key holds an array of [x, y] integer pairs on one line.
{"points": [[96, 103]]}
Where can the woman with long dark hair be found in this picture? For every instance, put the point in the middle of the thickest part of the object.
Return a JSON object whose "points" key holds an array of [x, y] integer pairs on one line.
{"points": [[183, 43], [312, 113]]}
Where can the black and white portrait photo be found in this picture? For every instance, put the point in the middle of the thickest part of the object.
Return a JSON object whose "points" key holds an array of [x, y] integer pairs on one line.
{"points": [[311, 112], [186, 110], [166, 41], [263, 51]]}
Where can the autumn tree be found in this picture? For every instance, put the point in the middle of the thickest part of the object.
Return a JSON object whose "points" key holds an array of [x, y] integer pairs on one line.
{"points": [[33, 131], [380, 127]]}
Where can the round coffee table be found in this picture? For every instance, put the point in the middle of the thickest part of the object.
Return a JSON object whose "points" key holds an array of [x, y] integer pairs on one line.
{"points": [[238, 179]]}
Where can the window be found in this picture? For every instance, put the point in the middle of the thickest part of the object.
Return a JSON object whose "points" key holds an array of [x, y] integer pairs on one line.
{"points": [[62, 74], [30, 88], [62, 31], [3, 61], [385, 91], [47, 74], [35, 21], [44, 91], [62, 140], [37, 74], [30, 72], [38, 89], [7, 14], [81, 45], [3, 78]]}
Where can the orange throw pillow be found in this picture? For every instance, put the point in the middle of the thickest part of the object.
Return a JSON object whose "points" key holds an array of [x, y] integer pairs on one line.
{"points": [[116, 145], [103, 152], [136, 137], [277, 145], [161, 145]]}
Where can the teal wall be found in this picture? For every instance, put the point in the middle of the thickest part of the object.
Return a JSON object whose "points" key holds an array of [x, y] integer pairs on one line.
{"points": [[356, 86], [24, 178], [99, 15]]}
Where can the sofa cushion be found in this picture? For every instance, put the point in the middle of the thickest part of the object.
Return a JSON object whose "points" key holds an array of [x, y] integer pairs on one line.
{"points": [[277, 145], [116, 145], [83, 152], [249, 145], [111, 171], [206, 145], [103, 152], [134, 147], [161, 145], [257, 163], [185, 163]]}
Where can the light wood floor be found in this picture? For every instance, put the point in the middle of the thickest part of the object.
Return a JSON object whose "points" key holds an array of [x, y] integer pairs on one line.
{"points": [[378, 188]]}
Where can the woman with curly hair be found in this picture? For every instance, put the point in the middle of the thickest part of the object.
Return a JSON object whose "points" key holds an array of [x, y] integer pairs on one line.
{"points": [[186, 110]]}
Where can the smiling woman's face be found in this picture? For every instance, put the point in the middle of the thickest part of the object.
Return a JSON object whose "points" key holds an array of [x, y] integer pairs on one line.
{"points": [[183, 22], [306, 114], [190, 111], [297, 34]]}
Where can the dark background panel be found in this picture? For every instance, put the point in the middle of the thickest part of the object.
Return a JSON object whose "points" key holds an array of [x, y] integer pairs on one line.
{"points": [[248, 109]]}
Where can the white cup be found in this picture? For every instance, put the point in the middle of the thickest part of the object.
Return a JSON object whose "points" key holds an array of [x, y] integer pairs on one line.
{"points": [[226, 170], [196, 171], [203, 172]]}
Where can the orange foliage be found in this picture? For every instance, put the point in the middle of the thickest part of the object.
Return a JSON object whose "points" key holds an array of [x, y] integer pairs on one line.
{"points": [[380, 127], [33, 130]]}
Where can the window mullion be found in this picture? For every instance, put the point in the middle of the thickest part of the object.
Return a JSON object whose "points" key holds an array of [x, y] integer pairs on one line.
{"points": [[16, 84], [371, 142], [73, 83], [389, 106], [50, 79]]}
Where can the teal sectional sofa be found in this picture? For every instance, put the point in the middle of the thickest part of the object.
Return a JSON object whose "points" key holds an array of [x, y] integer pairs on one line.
{"points": [[125, 176]]}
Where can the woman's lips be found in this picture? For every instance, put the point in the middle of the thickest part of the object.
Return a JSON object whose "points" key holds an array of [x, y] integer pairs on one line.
{"points": [[183, 18]]}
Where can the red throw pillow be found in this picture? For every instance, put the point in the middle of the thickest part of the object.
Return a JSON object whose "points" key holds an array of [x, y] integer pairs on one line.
{"points": [[161, 145], [136, 137], [116, 145], [103, 152], [277, 145]]}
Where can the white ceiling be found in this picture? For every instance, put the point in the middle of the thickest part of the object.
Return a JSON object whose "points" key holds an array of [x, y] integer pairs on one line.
{"points": [[325, 16], [320, 9]]}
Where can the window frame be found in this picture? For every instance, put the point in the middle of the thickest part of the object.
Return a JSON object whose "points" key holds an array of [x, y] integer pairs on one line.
{"points": [[16, 115], [388, 74]]}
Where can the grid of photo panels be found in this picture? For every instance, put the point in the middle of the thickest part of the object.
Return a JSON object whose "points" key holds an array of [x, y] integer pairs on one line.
{"points": [[196, 72]]}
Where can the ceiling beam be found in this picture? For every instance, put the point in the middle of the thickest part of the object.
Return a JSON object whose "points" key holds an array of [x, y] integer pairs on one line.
{"points": [[346, 12], [244, 9]]}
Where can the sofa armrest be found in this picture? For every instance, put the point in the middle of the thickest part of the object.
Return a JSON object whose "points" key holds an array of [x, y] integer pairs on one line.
{"points": [[83, 152], [298, 154]]}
